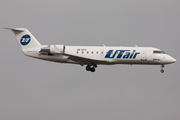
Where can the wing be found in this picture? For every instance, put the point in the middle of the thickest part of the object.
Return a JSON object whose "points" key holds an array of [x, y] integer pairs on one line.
{"points": [[84, 60]]}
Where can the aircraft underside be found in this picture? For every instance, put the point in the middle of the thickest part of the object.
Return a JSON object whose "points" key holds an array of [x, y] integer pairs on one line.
{"points": [[93, 65]]}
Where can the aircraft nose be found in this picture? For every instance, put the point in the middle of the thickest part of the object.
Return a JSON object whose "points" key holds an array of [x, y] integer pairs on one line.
{"points": [[172, 60]]}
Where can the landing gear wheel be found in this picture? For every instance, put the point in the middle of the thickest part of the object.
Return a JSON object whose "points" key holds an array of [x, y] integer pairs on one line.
{"points": [[162, 66], [92, 69], [88, 68]]}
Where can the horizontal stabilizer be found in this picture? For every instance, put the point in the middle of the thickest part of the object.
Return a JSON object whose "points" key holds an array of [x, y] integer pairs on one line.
{"points": [[14, 29], [25, 38]]}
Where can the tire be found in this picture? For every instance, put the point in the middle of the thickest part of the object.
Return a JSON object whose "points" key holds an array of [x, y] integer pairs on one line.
{"points": [[88, 68], [92, 69]]}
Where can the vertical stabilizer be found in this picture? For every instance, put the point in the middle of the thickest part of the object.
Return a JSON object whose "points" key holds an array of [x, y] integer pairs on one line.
{"points": [[25, 38]]}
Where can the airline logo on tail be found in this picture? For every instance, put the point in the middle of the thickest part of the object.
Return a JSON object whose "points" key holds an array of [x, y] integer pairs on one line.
{"points": [[25, 40]]}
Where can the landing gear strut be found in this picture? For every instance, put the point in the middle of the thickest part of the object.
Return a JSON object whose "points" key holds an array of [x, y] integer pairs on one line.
{"points": [[91, 67], [162, 71]]}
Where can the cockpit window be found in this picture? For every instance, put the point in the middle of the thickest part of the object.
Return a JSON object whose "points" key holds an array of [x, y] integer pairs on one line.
{"points": [[159, 52]]}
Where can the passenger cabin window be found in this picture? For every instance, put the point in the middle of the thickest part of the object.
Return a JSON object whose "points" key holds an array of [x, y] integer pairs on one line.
{"points": [[159, 52]]}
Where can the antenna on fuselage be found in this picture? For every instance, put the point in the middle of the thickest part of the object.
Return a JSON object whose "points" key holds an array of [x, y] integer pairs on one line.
{"points": [[136, 45]]}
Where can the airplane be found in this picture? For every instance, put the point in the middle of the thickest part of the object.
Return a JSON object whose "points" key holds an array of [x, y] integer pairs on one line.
{"points": [[91, 56]]}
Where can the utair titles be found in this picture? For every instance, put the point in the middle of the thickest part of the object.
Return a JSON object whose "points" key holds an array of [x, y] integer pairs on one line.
{"points": [[120, 54]]}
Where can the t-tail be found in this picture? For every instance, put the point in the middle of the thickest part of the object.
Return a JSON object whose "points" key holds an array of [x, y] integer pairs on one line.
{"points": [[25, 38]]}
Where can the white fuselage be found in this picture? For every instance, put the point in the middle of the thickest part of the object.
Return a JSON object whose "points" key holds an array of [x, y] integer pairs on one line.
{"points": [[109, 55], [90, 55]]}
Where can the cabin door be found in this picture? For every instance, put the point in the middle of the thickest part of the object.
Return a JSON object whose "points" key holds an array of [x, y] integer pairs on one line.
{"points": [[143, 56]]}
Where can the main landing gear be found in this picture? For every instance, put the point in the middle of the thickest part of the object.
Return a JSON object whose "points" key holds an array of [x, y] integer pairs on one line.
{"points": [[91, 67], [162, 71]]}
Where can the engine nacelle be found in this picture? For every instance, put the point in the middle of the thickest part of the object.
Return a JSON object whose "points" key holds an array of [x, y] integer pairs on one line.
{"points": [[57, 49]]}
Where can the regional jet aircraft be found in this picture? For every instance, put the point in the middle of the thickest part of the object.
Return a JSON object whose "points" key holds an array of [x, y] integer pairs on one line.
{"points": [[91, 56]]}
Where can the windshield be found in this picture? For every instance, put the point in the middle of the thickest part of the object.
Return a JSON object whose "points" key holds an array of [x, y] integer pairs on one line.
{"points": [[159, 52]]}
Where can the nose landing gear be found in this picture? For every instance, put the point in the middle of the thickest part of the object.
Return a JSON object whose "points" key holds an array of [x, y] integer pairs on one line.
{"points": [[162, 71], [91, 67]]}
